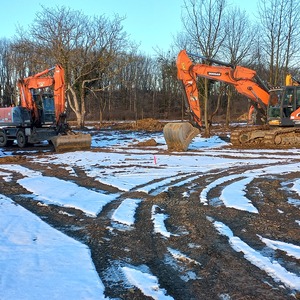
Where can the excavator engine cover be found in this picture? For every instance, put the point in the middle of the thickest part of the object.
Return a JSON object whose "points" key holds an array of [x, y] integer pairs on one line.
{"points": [[178, 136], [72, 142]]}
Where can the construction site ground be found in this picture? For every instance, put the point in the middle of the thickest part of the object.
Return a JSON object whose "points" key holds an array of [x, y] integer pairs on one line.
{"points": [[212, 269]]}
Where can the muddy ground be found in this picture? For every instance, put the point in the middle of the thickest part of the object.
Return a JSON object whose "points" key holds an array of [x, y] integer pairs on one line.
{"points": [[216, 270]]}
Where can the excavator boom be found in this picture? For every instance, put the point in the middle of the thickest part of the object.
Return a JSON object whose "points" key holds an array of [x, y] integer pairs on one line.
{"points": [[244, 80]]}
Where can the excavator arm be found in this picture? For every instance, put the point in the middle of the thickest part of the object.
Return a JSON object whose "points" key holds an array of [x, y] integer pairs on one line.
{"points": [[244, 80]]}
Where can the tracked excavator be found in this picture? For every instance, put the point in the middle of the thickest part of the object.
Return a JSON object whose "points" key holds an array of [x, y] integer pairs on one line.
{"points": [[278, 108], [40, 114]]}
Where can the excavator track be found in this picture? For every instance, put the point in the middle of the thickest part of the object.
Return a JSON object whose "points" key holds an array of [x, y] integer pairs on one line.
{"points": [[249, 137], [283, 138], [262, 137]]}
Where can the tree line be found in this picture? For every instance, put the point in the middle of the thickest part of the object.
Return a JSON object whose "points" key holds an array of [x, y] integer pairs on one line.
{"points": [[109, 79]]}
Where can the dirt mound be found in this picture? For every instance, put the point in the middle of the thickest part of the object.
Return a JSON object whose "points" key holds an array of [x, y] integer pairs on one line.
{"points": [[150, 142], [148, 124], [243, 117], [11, 159]]}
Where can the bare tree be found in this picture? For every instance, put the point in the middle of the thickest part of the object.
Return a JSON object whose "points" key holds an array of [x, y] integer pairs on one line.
{"points": [[6, 84], [237, 46], [280, 21], [204, 26], [86, 47]]}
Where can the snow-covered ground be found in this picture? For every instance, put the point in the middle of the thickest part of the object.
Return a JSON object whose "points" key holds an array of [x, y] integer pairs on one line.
{"points": [[37, 261]]}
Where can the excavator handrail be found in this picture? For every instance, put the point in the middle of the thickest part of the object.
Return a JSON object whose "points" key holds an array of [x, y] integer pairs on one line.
{"points": [[212, 60]]}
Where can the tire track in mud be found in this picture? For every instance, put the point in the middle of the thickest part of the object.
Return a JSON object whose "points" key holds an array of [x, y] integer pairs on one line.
{"points": [[195, 262]]}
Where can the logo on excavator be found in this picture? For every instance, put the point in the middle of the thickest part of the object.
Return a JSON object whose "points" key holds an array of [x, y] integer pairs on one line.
{"points": [[41, 84], [214, 73]]}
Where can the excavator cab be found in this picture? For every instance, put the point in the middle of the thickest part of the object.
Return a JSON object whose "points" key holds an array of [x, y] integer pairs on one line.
{"points": [[274, 107], [48, 108], [284, 106], [44, 102]]}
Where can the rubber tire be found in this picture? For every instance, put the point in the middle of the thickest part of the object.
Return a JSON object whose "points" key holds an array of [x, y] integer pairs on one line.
{"points": [[21, 139], [3, 139]]}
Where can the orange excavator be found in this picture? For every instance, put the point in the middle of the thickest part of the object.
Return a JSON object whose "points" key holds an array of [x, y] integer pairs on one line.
{"points": [[40, 115], [279, 107]]}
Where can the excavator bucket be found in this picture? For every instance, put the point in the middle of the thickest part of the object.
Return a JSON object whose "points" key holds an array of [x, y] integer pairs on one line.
{"points": [[178, 136], [72, 142]]}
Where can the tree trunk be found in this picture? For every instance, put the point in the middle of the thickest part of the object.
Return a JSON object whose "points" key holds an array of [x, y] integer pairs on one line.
{"points": [[228, 108], [221, 91], [100, 116], [75, 106], [83, 110], [206, 121]]}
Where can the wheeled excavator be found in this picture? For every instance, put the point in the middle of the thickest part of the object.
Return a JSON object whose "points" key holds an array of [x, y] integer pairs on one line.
{"points": [[279, 107], [40, 114]]}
